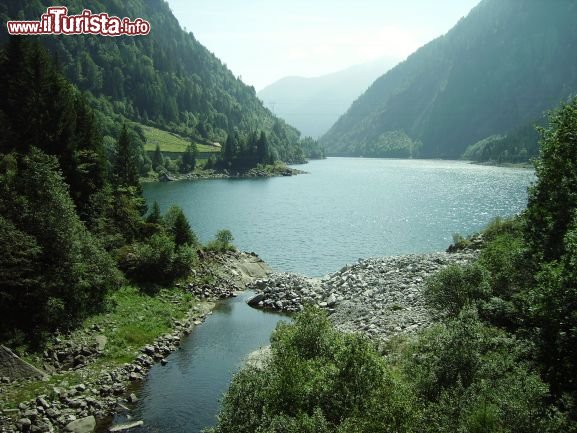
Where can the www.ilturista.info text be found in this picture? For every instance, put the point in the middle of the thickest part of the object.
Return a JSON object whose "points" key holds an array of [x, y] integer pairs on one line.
{"points": [[56, 21]]}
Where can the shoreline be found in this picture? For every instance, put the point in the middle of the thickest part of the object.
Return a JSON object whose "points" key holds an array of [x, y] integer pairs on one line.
{"points": [[93, 393], [379, 297], [253, 173]]}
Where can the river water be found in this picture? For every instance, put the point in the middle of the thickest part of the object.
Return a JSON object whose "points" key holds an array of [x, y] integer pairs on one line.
{"points": [[183, 396]]}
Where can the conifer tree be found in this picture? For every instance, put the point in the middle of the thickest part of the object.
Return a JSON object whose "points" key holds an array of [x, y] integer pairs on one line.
{"points": [[157, 159], [189, 158], [126, 171]]}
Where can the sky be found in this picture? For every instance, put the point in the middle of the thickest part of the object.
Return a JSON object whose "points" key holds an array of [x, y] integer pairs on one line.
{"points": [[265, 40]]}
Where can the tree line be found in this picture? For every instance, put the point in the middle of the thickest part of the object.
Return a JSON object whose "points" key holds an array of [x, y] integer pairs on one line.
{"points": [[73, 222]]}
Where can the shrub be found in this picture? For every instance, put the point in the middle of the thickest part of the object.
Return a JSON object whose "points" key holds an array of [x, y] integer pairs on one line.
{"points": [[456, 286], [157, 260], [222, 241], [317, 380]]}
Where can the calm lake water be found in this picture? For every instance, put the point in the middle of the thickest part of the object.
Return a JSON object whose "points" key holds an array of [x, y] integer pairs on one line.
{"points": [[348, 208]]}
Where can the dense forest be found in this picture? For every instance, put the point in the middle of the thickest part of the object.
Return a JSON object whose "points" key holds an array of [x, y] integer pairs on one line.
{"points": [[502, 358], [166, 79], [495, 72], [73, 223]]}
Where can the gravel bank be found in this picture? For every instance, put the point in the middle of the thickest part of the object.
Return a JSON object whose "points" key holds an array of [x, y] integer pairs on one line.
{"points": [[379, 296]]}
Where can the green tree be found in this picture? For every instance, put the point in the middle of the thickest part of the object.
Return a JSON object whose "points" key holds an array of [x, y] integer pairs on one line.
{"points": [[551, 230], [39, 108], [229, 150], [553, 198], [179, 227], [65, 274], [157, 159], [316, 380], [154, 217], [263, 154], [189, 158], [126, 166]]}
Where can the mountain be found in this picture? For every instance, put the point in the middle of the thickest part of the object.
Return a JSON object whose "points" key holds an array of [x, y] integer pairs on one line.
{"points": [[166, 79], [495, 72], [314, 104]]}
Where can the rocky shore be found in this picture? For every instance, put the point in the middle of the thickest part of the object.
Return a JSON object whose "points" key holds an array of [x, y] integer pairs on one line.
{"points": [[102, 391], [281, 171], [381, 297]]}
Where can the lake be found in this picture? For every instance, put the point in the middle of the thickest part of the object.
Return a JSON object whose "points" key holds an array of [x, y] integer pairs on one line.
{"points": [[349, 208]]}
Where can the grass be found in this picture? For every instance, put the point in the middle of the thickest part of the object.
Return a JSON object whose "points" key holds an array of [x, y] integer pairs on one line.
{"points": [[169, 142], [132, 320]]}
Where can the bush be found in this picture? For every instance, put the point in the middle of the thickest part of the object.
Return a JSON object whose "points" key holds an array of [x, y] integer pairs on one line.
{"points": [[317, 380], [456, 286], [222, 241], [157, 260], [470, 377]]}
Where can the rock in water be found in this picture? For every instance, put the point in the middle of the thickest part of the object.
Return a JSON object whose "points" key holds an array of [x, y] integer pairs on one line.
{"points": [[15, 368], [255, 300], [127, 426], [83, 425]]}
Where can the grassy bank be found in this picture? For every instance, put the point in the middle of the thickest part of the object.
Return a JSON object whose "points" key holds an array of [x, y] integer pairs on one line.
{"points": [[130, 321]]}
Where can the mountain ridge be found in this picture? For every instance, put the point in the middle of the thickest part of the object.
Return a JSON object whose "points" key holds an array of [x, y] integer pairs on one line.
{"points": [[313, 104], [495, 71]]}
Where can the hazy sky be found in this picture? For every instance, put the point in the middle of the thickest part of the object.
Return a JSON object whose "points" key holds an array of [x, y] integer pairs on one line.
{"points": [[264, 40]]}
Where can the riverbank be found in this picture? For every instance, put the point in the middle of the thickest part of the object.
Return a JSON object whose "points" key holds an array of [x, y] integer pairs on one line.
{"points": [[86, 374], [381, 297], [277, 170]]}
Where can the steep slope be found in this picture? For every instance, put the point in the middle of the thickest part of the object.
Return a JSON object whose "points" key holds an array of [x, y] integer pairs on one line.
{"points": [[167, 78], [497, 70], [313, 104]]}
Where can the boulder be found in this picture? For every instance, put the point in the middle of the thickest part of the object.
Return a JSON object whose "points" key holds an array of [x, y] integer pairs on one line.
{"points": [[15, 368], [82, 425], [253, 302], [101, 341]]}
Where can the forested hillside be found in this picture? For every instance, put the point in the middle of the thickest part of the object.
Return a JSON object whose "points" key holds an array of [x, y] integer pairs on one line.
{"points": [[166, 79], [496, 71]]}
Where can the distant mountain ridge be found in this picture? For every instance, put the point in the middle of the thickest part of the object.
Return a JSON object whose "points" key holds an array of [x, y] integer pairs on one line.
{"points": [[496, 71], [313, 104]]}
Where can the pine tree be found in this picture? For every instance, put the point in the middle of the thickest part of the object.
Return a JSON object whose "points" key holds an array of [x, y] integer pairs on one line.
{"points": [[177, 224], [40, 109], [229, 150], [189, 159], [157, 159], [126, 171], [263, 150], [154, 217]]}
